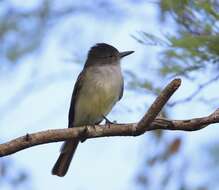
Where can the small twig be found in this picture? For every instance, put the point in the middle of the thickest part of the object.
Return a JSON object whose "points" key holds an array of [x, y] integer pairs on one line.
{"points": [[195, 93]]}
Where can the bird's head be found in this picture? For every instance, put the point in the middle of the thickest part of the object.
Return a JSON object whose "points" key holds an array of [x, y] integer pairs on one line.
{"points": [[103, 53]]}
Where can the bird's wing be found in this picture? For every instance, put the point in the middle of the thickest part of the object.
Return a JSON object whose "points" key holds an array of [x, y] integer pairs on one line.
{"points": [[75, 93], [122, 89]]}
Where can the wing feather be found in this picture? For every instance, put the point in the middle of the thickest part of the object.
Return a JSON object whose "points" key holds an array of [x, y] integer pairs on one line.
{"points": [[74, 97], [122, 90]]}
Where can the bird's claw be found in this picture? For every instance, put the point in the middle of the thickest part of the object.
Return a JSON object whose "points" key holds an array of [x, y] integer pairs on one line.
{"points": [[108, 122]]}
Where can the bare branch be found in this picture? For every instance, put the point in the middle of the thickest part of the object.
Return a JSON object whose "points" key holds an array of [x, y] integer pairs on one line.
{"points": [[157, 105], [147, 123]]}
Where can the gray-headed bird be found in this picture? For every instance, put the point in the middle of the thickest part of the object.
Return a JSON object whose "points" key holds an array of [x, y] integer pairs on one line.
{"points": [[97, 89]]}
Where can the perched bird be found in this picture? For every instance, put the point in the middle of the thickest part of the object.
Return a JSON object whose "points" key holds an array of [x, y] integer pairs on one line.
{"points": [[98, 87]]}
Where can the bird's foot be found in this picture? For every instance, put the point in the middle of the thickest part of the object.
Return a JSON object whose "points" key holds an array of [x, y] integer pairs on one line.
{"points": [[108, 122]]}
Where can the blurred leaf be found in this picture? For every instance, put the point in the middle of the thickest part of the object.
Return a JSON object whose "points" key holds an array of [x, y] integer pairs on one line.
{"points": [[174, 146], [158, 134], [21, 178], [142, 179], [150, 39], [152, 161]]}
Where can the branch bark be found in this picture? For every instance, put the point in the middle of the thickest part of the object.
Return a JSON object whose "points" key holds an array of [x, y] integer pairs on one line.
{"points": [[149, 122]]}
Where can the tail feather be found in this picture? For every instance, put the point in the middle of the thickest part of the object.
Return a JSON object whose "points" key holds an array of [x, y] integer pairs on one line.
{"points": [[67, 152]]}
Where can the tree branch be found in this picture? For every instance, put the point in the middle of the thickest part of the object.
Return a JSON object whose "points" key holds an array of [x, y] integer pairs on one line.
{"points": [[157, 106], [147, 123]]}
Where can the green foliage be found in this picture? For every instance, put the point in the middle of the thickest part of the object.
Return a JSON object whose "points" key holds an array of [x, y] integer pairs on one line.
{"points": [[195, 43], [21, 31], [137, 83], [171, 5], [191, 46]]}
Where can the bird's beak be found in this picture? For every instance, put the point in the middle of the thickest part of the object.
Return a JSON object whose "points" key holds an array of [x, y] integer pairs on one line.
{"points": [[125, 53]]}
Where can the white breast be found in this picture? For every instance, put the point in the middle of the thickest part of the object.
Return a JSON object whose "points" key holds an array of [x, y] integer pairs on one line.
{"points": [[100, 91]]}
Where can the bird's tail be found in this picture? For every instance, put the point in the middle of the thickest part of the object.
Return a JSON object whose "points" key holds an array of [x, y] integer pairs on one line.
{"points": [[67, 152]]}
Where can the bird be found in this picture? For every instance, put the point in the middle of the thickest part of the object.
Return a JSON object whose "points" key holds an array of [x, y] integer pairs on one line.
{"points": [[97, 89]]}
